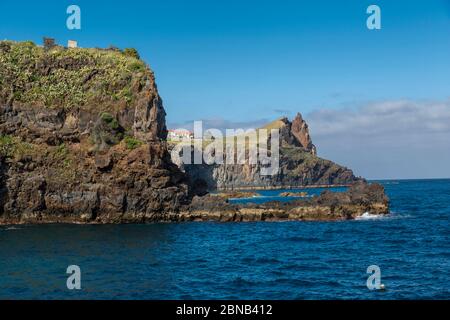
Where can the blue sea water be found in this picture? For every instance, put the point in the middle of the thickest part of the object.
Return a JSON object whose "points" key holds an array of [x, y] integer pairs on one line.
{"points": [[261, 260]]}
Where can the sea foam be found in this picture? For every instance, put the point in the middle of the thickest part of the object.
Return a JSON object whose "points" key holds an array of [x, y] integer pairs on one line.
{"points": [[369, 216]]}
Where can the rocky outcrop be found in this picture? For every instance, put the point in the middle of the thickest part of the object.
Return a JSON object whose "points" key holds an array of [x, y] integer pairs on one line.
{"points": [[294, 134], [102, 160], [294, 194], [237, 194]]}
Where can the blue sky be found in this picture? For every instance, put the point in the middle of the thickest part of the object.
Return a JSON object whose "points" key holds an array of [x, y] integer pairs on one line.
{"points": [[249, 61]]}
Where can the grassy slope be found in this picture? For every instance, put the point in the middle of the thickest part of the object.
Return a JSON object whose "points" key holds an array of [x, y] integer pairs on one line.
{"points": [[66, 78], [277, 124], [305, 160]]}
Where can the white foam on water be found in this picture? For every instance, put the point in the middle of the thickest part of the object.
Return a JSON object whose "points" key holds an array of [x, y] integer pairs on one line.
{"points": [[369, 216], [10, 228]]}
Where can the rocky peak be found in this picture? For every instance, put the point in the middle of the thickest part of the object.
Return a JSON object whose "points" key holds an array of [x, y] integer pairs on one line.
{"points": [[300, 130], [295, 133]]}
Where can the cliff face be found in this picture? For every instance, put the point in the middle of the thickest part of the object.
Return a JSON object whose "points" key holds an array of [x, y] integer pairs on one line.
{"points": [[298, 162], [82, 138]]}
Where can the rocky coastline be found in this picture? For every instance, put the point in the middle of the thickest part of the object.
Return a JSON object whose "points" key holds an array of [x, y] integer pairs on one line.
{"points": [[361, 198], [83, 140]]}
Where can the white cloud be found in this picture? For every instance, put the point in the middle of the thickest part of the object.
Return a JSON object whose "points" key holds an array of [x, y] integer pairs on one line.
{"points": [[390, 139], [384, 118]]}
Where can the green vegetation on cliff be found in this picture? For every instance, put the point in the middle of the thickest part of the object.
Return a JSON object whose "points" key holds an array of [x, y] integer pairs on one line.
{"points": [[298, 161], [132, 143], [61, 77], [14, 147]]}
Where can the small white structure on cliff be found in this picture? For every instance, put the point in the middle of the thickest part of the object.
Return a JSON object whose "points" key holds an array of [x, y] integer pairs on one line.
{"points": [[179, 134], [72, 44]]}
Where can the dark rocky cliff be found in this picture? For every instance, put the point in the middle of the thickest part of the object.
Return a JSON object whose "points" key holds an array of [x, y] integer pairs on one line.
{"points": [[82, 138]]}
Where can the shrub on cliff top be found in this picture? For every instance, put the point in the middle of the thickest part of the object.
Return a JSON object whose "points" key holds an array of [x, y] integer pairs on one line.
{"points": [[66, 78], [131, 52]]}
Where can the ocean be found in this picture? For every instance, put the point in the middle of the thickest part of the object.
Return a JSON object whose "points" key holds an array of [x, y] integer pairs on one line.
{"points": [[255, 260]]}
